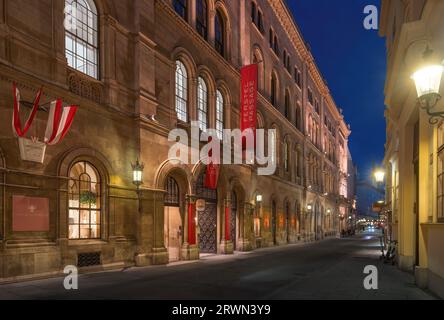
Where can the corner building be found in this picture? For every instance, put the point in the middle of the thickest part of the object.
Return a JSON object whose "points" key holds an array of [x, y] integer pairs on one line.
{"points": [[138, 69]]}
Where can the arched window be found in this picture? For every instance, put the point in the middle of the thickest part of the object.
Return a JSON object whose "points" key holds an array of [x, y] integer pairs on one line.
{"points": [[172, 197], [220, 114], [202, 18], [82, 37], [181, 92], [219, 30], [84, 202], [202, 104], [287, 105], [181, 8], [273, 90]]}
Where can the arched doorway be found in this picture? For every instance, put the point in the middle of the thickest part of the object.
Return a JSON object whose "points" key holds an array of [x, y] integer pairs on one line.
{"points": [[173, 228], [207, 219], [233, 219], [274, 221]]}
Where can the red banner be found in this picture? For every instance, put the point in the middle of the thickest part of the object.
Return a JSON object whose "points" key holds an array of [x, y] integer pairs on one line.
{"points": [[248, 109], [192, 224], [227, 223], [213, 170]]}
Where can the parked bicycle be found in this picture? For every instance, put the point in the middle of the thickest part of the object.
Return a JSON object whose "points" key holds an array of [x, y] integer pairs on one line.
{"points": [[389, 255]]}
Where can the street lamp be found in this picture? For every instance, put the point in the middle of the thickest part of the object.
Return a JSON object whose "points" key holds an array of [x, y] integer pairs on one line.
{"points": [[259, 198], [379, 175], [428, 81], [138, 173]]}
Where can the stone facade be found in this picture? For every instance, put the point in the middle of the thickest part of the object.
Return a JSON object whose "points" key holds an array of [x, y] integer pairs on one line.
{"points": [[127, 113]]}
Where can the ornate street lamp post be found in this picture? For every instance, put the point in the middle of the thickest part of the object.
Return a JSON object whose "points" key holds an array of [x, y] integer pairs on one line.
{"points": [[428, 81], [138, 173]]}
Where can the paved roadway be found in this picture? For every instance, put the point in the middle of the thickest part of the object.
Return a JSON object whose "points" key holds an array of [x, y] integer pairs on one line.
{"points": [[332, 269]]}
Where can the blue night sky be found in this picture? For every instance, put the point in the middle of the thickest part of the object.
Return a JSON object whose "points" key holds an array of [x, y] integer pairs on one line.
{"points": [[353, 61]]}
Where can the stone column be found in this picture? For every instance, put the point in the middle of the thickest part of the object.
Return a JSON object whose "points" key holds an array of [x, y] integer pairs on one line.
{"points": [[190, 249], [244, 240], [150, 241]]}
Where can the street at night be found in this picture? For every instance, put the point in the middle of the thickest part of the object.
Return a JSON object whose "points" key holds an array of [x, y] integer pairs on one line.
{"points": [[331, 269], [211, 151]]}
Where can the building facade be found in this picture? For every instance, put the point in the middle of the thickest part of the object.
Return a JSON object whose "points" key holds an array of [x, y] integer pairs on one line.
{"points": [[413, 157], [138, 69]]}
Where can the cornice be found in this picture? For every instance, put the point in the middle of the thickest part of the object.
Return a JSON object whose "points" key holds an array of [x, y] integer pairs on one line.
{"points": [[281, 11], [166, 7]]}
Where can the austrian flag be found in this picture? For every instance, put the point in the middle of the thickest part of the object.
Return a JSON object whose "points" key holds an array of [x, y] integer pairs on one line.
{"points": [[59, 121]]}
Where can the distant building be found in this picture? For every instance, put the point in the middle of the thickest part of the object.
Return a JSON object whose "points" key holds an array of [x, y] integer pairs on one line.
{"points": [[367, 195]]}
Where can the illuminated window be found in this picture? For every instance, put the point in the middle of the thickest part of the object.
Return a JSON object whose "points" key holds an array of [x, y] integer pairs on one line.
{"points": [[202, 104], [82, 37], [219, 115], [84, 202], [181, 92]]}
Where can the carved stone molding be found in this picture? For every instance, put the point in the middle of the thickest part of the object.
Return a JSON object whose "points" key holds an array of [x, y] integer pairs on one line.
{"points": [[84, 87]]}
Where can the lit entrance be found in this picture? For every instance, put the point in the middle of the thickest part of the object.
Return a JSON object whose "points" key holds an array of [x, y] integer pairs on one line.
{"points": [[173, 220]]}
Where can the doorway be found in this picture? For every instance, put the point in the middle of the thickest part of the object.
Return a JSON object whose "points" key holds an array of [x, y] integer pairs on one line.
{"points": [[207, 219], [173, 220]]}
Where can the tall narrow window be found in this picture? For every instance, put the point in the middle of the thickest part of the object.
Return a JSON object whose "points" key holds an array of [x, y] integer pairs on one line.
{"points": [[219, 33], [220, 115], [181, 8], [172, 197], [273, 92], [82, 37], [298, 118], [310, 96], [271, 38], [260, 21], [202, 104], [276, 45], [181, 92], [253, 12], [287, 157], [84, 202], [287, 106], [202, 18]]}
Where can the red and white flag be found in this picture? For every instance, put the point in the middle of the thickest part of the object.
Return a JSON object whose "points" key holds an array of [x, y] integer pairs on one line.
{"points": [[59, 121], [16, 122]]}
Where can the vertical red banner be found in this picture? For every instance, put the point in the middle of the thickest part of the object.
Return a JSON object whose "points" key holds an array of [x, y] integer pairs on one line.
{"points": [[248, 103], [227, 224], [212, 173], [192, 224]]}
